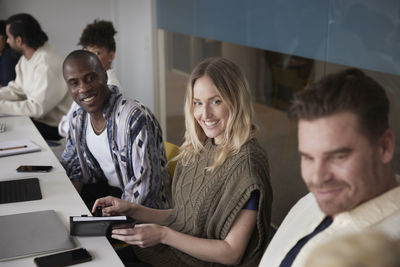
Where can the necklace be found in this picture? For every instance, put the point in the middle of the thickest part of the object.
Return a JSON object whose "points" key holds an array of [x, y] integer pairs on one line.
{"points": [[98, 131]]}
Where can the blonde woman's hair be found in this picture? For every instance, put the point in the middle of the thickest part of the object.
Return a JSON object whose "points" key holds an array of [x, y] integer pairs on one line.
{"points": [[233, 88]]}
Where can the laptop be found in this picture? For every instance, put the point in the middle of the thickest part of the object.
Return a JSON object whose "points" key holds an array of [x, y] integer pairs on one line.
{"points": [[33, 233], [20, 190]]}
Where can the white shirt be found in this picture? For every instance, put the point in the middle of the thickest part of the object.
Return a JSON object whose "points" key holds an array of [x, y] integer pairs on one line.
{"points": [[112, 78], [382, 213], [63, 126], [100, 149]]}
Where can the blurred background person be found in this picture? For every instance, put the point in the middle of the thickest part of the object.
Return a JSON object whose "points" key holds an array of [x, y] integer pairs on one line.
{"points": [[39, 90], [8, 57], [346, 148]]}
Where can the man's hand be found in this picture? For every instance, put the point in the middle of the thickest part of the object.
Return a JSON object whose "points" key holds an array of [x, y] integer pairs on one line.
{"points": [[112, 206]]}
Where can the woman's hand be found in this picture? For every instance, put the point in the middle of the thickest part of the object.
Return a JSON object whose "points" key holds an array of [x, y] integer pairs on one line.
{"points": [[228, 251], [142, 235], [112, 206]]}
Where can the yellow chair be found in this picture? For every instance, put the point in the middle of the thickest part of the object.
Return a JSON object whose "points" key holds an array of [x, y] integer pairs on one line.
{"points": [[171, 151]]}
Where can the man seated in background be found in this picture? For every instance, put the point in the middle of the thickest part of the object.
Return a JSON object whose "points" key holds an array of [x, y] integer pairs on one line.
{"points": [[346, 148], [98, 38], [8, 57], [114, 145], [38, 90]]}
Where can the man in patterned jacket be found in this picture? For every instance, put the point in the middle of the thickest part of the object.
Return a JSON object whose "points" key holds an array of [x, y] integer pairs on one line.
{"points": [[114, 145]]}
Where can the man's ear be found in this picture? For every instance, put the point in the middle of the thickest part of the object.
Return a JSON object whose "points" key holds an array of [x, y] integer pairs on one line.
{"points": [[111, 56], [18, 40], [106, 76], [386, 146]]}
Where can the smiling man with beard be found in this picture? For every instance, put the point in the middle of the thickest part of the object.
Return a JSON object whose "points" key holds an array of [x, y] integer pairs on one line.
{"points": [[38, 90], [114, 145], [346, 148]]}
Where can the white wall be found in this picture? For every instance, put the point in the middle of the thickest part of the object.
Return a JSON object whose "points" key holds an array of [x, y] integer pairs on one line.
{"points": [[63, 21]]}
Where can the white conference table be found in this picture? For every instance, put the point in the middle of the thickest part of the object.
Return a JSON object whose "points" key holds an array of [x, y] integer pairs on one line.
{"points": [[21, 127], [57, 191]]}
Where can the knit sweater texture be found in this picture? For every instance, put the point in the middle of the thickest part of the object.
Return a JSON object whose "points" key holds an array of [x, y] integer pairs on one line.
{"points": [[207, 203]]}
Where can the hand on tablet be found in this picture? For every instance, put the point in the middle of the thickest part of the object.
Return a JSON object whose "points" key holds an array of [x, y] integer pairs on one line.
{"points": [[112, 206]]}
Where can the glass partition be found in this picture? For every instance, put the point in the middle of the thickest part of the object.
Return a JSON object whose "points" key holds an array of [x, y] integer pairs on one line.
{"points": [[274, 78]]}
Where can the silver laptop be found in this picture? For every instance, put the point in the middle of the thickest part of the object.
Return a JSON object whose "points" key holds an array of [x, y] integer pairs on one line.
{"points": [[32, 233]]}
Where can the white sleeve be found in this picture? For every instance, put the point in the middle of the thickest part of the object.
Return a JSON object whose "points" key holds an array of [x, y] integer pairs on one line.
{"points": [[42, 95], [14, 91], [63, 126]]}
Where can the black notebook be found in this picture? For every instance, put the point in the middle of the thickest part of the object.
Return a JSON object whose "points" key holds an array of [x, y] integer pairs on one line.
{"points": [[20, 190]]}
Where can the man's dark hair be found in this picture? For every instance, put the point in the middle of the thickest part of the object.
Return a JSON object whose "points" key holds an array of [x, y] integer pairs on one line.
{"points": [[28, 28], [83, 54], [347, 91], [99, 33]]}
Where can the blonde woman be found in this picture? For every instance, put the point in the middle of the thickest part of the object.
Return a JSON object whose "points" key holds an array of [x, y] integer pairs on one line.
{"points": [[221, 190]]}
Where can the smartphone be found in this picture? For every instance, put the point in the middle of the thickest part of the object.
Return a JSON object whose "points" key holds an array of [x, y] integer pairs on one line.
{"points": [[34, 168], [124, 225], [66, 258]]}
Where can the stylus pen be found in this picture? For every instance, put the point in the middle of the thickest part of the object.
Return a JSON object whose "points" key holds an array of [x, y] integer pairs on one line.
{"points": [[13, 147]]}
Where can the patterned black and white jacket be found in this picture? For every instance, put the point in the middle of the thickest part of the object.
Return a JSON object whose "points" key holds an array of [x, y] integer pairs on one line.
{"points": [[137, 149]]}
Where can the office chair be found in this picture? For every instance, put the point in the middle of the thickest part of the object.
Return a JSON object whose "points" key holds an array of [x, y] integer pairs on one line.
{"points": [[171, 151]]}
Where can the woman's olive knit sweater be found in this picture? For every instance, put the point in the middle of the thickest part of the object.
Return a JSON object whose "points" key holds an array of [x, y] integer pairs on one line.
{"points": [[207, 203]]}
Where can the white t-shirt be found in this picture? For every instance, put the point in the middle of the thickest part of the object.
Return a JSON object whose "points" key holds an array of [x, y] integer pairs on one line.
{"points": [[112, 78], [100, 149]]}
